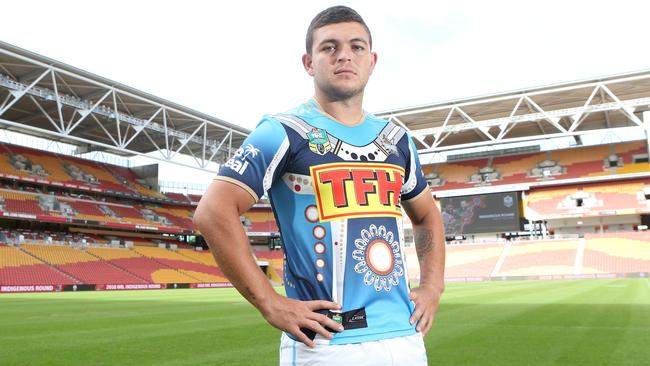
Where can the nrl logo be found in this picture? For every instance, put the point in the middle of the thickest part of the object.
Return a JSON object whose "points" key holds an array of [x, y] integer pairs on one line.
{"points": [[318, 141]]}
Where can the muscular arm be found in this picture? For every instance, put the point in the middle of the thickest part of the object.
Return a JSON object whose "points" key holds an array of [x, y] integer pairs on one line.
{"points": [[217, 217], [429, 240]]}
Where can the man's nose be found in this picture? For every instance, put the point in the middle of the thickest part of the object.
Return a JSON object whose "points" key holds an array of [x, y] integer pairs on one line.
{"points": [[345, 54]]}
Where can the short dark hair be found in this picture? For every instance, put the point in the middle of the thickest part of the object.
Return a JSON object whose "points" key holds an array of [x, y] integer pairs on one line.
{"points": [[334, 15]]}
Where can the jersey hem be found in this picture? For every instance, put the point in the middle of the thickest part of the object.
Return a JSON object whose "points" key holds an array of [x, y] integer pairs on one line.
{"points": [[372, 337], [426, 189], [362, 338], [240, 184]]}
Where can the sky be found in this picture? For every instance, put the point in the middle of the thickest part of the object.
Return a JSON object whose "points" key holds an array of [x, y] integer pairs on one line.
{"points": [[240, 60]]}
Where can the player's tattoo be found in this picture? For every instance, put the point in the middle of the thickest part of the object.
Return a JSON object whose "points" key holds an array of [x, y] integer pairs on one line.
{"points": [[423, 242], [249, 294]]}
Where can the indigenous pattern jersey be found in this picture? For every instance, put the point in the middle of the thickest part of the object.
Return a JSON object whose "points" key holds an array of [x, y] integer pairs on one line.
{"points": [[336, 193]]}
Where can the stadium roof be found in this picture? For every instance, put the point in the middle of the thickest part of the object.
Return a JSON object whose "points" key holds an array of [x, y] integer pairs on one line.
{"points": [[47, 98], [612, 103]]}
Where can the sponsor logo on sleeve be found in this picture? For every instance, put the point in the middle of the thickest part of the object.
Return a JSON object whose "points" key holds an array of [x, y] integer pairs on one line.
{"points": [[238, 162]]}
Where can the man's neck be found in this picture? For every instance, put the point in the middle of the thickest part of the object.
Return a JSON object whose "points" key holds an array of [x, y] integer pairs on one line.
{"points": [[347, 112]]}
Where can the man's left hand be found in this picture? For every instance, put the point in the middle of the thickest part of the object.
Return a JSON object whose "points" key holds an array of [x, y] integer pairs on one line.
{"points": [[426, 300]]}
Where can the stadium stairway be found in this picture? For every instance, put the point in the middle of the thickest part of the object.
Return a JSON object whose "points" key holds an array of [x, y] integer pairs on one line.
{"points": [[183, 264], [612, 253], [146, 268], [204, 257], [156, 271], [540, 258], [54, 268], [141, 280], [471, 260], [95, 253], [19, 268], [81, 265]]}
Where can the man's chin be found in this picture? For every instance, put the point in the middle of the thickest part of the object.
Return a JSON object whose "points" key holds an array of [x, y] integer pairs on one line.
{"points": [[339, 94]]}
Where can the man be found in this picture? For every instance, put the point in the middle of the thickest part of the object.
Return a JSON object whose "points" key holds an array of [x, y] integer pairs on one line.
{"points": [[337, 179]]}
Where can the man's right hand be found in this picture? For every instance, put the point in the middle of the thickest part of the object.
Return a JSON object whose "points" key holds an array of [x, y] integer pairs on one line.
{"points": [[290, 315]]}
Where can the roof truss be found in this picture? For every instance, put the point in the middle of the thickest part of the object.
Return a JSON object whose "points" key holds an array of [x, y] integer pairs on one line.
{"points": [[563, 110], [58, 103]]}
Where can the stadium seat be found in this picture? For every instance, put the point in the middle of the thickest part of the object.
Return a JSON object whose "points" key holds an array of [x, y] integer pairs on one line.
{"points": [[540, 258], [19, 268], [184, 264], [471, 260]]}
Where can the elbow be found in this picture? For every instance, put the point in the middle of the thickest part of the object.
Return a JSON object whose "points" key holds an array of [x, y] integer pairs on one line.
{"points": [[210, 218], [196, 220], [201, 218]]}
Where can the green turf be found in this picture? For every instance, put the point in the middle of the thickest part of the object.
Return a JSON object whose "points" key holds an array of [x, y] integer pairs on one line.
{"points": [[589, 322]]}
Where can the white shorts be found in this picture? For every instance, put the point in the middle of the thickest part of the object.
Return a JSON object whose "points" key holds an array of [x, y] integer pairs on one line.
{"points": [[399, 351]]}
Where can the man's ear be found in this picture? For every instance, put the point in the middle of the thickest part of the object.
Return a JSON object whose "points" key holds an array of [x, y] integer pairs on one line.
{"points": [[373, 61], [306, 63]]}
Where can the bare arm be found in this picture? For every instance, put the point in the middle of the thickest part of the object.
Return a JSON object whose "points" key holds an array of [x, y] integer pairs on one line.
{"points": [[430, 247], [217, 217]]}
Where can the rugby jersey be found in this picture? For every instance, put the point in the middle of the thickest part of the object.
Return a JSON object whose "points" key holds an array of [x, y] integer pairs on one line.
{"points": [[336, 194]]}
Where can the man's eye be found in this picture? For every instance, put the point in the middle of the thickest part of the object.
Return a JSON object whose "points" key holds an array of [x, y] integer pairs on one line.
{"points": [[329, 48], [358, 48]]}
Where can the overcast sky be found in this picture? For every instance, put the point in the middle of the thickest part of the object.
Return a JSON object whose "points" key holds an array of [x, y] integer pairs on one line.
{"points": [[238, 60]]}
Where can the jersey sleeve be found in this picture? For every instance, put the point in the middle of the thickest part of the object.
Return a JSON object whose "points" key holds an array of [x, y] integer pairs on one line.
{"points": [[414, 183], [259, 160]]}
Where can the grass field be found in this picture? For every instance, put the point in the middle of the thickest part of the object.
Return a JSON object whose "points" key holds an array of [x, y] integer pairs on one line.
{"points": [[588, 322]]}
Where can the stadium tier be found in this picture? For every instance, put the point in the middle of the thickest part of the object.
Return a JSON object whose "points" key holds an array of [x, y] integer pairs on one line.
{"points": [[585, 200], [157, 265], [560, 165], [275, 258], [178, 197], [87, 209], [48, 207], [596, 181], [31, 165], [539, 259], [179, 216], [130, 179], [199, 256], [630, 254], [597, 254], [80, 265], [152, 271], [20, 268], [197, 270], [471, 260], [194, 198], [18, 202], [260, 220]]}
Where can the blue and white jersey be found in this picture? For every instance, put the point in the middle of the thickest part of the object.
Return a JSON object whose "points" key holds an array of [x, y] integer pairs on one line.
{"points": [[336, 193]]}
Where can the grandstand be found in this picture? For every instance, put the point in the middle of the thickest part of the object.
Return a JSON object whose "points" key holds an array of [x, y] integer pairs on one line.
{"points": [[71, 219], [543, 183], [548, 182]]}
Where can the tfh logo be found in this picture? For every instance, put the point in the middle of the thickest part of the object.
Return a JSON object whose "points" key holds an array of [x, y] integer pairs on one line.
{"points": [[345, 190]]}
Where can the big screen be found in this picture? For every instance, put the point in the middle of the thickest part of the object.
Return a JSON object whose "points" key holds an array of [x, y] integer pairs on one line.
{"points": [[483, 213]]}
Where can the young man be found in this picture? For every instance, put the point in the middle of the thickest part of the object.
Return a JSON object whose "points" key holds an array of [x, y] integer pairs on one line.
{"points": [[337, 179]]}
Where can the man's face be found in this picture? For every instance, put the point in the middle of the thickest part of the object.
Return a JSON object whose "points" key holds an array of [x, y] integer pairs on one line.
{"points": [[341, 61]]}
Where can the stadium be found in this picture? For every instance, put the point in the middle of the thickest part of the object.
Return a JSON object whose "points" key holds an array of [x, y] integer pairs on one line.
{"points": [[544, 192]]}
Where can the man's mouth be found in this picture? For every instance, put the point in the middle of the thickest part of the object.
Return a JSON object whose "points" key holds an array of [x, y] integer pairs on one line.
{"points": [[345, 71]]}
